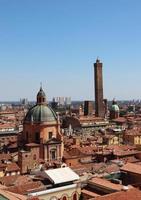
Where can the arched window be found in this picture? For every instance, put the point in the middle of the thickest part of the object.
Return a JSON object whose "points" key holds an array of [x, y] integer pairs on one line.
{"points": [[64, 198], [40, 100], [74, 197]]}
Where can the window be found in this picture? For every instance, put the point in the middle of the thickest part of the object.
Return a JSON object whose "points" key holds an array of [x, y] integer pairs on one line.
{"points": [[64, 198], [50, 135], [75, 196], [53, 154], [39, 99], [37, 137]]}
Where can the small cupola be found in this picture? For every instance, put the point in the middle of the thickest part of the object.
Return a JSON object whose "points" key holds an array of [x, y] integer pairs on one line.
{"points": [[41, 97]]}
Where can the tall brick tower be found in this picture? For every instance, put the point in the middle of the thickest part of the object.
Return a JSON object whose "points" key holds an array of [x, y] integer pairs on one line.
{"points": [[99, 104]]}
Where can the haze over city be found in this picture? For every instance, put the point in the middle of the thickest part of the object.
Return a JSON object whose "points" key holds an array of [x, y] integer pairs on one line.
{"points": [[57, 42]]}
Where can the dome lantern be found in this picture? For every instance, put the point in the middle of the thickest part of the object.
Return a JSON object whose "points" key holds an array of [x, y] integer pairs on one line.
{"points": [[41, 97]]}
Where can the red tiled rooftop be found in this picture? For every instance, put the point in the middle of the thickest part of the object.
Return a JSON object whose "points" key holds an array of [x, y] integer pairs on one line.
{"points": [[112, 168], [131, 167], [32, 145], [28, 187], [131, 194], [125, 153], [11, 196], [87, 149], [5, 156], [33, 198], [134, 130], [121, 147], [12, 167], [105, 184], [7, 112], [7, 125], [120, 120], [2, 166], [89, 193], [78, 151], [14, 180], [131, 159]]}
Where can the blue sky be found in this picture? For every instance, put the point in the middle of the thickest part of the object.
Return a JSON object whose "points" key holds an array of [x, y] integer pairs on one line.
{"points": [[56, 42]]}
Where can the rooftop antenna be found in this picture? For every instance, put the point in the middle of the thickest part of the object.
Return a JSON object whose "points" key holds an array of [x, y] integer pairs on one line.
{"points": [[97, 60]]}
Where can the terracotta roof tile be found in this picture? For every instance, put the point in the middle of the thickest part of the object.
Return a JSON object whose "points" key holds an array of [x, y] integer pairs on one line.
{"points": [[14, 180], [105, 183], [11, 196], [120, 120], [112, 168], [89, 193], [28, 187], [32, 145], [4, 156], [131, 194], [131, 167], [12, 167]]}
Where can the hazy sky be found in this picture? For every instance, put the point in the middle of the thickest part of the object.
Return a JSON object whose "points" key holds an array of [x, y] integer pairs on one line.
{"points": [[56, 42]]}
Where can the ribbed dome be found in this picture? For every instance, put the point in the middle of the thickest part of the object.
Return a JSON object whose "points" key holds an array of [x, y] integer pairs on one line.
{"points": [[115, 108], [40, 113]]}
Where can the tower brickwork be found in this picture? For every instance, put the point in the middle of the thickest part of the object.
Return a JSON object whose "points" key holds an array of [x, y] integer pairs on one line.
{"points": [[99, 104]]}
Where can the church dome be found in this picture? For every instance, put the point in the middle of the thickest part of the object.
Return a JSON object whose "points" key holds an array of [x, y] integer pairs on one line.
{"points": [[115, 108], [40, 113]]}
